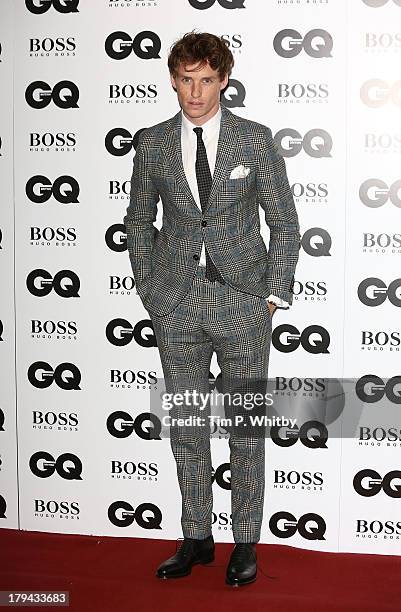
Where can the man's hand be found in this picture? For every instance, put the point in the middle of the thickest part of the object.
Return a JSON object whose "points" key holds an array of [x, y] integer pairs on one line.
{"points": [[272, 308]]}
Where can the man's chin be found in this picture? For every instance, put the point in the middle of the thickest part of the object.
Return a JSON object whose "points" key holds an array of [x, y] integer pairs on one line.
{"points": [[196, 110]]}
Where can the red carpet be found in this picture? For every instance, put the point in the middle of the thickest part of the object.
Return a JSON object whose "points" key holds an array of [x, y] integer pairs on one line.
{"points": [[117, 575]]}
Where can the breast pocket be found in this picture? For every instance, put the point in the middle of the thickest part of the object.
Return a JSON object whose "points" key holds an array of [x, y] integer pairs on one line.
{"points": [[240, 186]]}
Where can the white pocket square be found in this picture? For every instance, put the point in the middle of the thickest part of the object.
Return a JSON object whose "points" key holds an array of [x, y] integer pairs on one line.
{"points": [[239, 172]]}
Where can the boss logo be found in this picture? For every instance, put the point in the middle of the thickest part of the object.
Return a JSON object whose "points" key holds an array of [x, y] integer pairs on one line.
{"points": [[56, 507], [48, 140], [37, 45], [298, 91], [129, 468]]}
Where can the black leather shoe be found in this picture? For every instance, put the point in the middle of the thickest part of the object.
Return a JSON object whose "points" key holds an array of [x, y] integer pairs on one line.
{"points": [[190, 553], [242, 567]]}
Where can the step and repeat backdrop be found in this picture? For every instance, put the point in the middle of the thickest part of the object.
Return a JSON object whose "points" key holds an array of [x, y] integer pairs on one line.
{"points": [[79, 450]]}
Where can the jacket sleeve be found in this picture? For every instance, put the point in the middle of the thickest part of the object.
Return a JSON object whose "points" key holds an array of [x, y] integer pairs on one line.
{"points": [[275, 197], [140, 216]]}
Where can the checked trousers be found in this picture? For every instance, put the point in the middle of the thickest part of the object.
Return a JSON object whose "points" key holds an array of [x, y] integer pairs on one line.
{"points": [[237, 326]]}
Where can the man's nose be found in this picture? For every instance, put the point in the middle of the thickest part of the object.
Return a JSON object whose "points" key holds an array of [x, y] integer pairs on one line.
{"points": [[196, 91]]}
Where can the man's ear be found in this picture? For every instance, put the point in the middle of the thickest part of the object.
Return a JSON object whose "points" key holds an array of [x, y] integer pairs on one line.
{"points": [[224, 82], [172, 79]]}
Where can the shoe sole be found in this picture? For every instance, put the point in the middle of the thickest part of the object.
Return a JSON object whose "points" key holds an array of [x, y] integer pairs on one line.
{"points": [[241, 583], [204, 561]]}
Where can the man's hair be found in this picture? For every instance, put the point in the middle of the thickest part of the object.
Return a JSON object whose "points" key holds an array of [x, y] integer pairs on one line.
{"points": [[201, 47]]}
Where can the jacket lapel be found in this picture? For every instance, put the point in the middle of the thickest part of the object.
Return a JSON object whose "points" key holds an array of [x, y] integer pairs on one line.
{"points": [[225, 150]]}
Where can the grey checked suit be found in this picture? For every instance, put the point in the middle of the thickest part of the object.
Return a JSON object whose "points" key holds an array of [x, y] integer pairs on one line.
{"points": [[163, 261], [193, 317]]}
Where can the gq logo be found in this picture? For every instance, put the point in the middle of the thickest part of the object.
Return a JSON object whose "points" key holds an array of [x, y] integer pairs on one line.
{"points": [[39, 7], [316, 242], [120, 332], [310, 526], [226, 4], [312, 434], [119, 45], [377, 3], [371, 389], [369, 483], [222, 476], [65, 283], [66, 376], [43, 465], [147, 515], [65, 189], [234, 94], [314, 339], [376, 93], [2, 419], [120, 141], [116, 237], [1, 331], [316, 43], [147, 425], [39, 94], [3, 507], [375, 193], [316, 143], [374, 292]]}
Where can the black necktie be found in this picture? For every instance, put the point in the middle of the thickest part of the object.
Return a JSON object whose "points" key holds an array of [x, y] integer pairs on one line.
{"points": [[204, 180]]}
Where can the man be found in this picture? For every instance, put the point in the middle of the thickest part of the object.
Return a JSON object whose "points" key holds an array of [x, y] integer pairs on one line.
{"points": [[207, 279]]}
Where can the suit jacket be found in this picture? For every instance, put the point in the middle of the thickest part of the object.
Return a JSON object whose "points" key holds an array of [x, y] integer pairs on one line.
{"points": [[164, 262]]}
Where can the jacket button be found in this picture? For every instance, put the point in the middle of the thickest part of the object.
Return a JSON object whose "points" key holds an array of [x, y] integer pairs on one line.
{"points": [[196, 257], [203, 223]]}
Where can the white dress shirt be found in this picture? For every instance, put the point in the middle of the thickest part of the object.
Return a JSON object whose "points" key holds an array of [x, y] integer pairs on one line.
{"points": [[210, 135]]}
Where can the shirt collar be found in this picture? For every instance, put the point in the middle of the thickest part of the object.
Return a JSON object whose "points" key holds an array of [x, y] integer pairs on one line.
{"points": [[209, 127]]}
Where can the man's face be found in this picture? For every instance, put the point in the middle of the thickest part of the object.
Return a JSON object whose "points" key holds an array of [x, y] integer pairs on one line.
{"points": [[198, 91]]}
